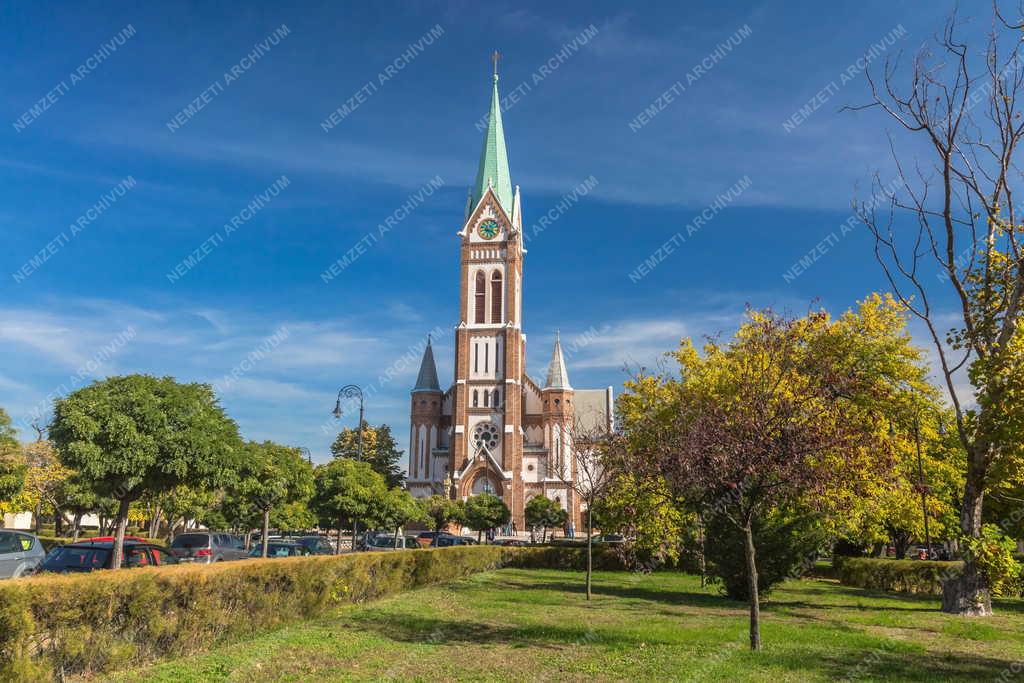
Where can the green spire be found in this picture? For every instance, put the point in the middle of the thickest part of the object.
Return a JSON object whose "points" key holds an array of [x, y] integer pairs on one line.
{"points": [[494, 158]]}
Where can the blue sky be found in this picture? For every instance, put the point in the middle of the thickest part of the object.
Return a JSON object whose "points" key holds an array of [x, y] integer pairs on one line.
{"points": [[106, 122]]}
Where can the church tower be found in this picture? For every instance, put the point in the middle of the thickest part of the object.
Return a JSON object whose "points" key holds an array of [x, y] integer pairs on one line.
{"points": [[495, 430], [489, 344]]}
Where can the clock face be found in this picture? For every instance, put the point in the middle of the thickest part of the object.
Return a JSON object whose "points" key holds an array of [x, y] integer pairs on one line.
{"points": [[489, 229]]}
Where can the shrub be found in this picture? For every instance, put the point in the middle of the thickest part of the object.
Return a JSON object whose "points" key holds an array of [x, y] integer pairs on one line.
{"points": [[897, 576], [89, 623], [786, 547]]}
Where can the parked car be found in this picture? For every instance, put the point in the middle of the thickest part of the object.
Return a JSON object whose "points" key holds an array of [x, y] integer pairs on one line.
{"points": [[610, 539], [382, 542], [20, 554], [89, 556], [425, 538], [516, 542], [204, 547], [110, 539], [280, 549], [447, 540], [316, 545]]}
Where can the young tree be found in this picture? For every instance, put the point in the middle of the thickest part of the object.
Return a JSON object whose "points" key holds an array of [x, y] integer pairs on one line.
{"points": [[953, 229], [379, 449], [589, 475], [132, 435], [398, 508], [768, 419], [441, 511], [44, 480], [271, 476], [346, 491], [486, 511], [543, 512]]}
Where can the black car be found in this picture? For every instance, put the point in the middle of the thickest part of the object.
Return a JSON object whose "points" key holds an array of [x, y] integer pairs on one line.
{"points": [[316, 545], [448, 540], [89, 556]]}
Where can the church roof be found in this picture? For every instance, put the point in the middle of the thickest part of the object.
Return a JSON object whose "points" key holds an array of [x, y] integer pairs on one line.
{"points": [[558, 376], [427, 379], [493, 169]]}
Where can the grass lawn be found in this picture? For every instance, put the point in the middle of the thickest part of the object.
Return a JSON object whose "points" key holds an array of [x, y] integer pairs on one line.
{"points": [[537, 625]]}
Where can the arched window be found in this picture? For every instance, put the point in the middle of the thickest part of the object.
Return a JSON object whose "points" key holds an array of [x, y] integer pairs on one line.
{"points": [[476, 398], [497, 398], [496, 297], [487, 395], [481, 295]]}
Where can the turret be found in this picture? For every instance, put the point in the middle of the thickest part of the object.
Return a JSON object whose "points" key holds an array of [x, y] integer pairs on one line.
{"points": [[426, 418]]}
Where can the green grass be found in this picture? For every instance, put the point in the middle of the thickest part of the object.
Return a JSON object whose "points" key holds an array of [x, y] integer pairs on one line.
{"points": [[530, 625]]}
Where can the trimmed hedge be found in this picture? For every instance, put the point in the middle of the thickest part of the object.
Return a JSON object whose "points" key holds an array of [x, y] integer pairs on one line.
{"points": [[896, 576], [90, 623]]}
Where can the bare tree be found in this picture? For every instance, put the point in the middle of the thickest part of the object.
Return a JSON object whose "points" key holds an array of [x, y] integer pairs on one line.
{"points": [[952, 228], [586, 473]]}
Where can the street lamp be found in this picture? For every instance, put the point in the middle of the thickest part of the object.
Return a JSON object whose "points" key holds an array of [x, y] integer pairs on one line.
{"points": [[352, 391]]}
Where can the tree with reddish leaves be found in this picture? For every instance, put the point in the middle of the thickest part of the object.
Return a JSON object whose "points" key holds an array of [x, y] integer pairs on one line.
{"points": [[781, 414]]}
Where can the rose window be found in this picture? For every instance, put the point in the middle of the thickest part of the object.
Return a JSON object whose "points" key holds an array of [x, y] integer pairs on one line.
{"points": [[485, 434]]}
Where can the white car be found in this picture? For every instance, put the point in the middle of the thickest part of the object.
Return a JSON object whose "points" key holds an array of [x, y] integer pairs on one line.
{"points": [[20, 554]]}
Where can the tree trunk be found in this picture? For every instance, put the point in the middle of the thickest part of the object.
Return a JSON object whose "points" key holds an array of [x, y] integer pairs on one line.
{"points": [[58, 522], [266, 532], [355, 529], [397, 530], [78, 527], [755, 604], [590, 547], [248, 540], [122, 522], [337, 547], [702, 565], [154, 523], [37, 517], [968, 594]]}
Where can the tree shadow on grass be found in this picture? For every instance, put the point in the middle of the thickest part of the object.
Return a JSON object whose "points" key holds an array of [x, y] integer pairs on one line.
{"points": [[886, 663], [652, 594], [408, 628]]}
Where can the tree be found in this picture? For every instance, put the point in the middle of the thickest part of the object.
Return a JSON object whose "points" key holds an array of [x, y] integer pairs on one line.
{"points": [[44, 480], [132, 435], [769, 419], [346, 490], [270, 477], [543, 512], [398, 508], [589, 475], [441, 511], [379, 449], [12, 468], [961, 216], [486, 511]]}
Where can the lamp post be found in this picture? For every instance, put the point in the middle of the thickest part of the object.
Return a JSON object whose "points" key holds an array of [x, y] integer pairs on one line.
{"points": [[352, 391]]}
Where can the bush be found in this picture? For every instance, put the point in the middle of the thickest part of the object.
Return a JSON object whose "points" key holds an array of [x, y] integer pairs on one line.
{"points": [[785, 548], [896, 576], [89, 623]]}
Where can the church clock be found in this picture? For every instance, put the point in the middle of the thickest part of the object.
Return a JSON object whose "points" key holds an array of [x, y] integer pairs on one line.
{"points": [[488, 229]]}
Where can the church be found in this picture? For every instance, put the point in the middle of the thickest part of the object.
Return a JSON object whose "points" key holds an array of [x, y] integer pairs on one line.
{"points": [[496, 429]]}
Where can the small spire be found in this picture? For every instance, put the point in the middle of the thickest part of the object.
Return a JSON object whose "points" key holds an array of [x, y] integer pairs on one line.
{"points": [[558, 376], [495, 56], [427, 379]]}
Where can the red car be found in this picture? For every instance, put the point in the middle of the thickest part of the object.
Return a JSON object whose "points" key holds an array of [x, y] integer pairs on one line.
{"points": [[110, 539]]}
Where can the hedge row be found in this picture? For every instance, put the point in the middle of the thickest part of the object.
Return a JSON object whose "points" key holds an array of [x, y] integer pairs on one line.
{"points": [[52, 626], [896, 576]]}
